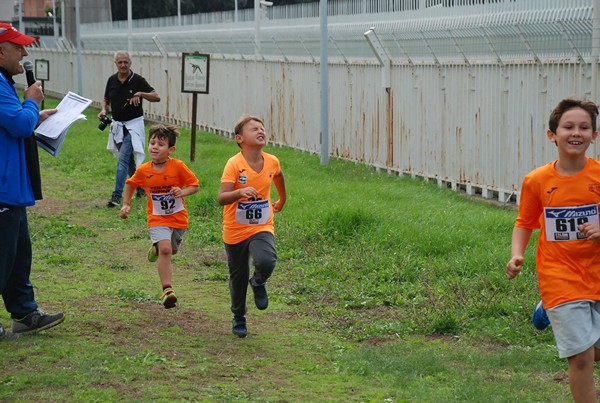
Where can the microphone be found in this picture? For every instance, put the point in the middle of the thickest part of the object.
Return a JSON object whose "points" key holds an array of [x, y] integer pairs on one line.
{"points": [[28, 66]]}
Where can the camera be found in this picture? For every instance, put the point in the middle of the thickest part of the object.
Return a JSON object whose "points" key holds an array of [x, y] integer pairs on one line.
{"points": [[104, 121]]}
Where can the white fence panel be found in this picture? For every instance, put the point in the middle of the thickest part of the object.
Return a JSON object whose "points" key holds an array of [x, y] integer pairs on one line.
{"points": [[471, 89], [476, 127]]}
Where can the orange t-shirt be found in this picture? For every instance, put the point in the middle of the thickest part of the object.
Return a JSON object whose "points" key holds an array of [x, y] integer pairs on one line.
{"points": [[162, 209], [567, 270], [244, 218]]}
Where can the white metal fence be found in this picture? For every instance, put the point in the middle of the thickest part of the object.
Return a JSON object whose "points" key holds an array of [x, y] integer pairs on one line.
{"points": [[290, 11], [470, 90]]}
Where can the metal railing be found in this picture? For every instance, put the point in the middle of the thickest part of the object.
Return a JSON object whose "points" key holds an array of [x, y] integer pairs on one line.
{"points": [[494, 30]]}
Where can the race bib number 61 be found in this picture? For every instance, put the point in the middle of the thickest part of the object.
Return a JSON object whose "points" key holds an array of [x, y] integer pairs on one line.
{"points": [[562, 223]]}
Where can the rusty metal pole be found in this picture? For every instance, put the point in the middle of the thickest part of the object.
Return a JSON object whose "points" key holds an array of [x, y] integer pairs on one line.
{"points": [[324, 84], [193, 144]]}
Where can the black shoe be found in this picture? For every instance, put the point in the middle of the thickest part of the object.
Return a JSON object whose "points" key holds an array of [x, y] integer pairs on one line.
{"points": [[36, 321], [114, 202], [140, 193], [239, 326], [5, 335], [261, 299]]}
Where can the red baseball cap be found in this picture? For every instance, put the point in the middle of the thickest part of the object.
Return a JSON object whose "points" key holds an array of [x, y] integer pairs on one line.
{"points": [[8, 33]]}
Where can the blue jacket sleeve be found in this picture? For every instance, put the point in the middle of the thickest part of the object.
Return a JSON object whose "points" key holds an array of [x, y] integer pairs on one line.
{"points": [[17, 122], [16, 119]]}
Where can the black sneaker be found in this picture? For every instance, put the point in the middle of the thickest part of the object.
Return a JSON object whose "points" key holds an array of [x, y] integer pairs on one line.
{"points": [[36, 321], [261, 299], [239, 326], [5, 335], [114, 202], [140, 193]]}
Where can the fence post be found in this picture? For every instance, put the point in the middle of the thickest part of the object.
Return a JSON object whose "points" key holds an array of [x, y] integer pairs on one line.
{"points": [[324, 83], [595, 55], [595, 48]]}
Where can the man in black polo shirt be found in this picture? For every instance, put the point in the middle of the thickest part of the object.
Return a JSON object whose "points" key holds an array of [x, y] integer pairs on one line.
{"points": [[124, 92]]}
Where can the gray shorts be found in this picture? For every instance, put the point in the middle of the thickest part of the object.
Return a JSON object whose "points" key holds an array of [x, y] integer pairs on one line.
{"points": [[576, 326], [161, 233]]}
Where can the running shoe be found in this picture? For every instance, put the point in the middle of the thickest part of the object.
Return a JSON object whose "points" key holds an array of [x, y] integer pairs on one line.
{"points": [[168, 298], [239, 326], [153, 253], [261, 299], [114, 202], [36, 321], [5, 335]]}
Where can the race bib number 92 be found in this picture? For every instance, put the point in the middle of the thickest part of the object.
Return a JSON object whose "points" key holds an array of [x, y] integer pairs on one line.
{"points": [[165, 204], [562, 223]]}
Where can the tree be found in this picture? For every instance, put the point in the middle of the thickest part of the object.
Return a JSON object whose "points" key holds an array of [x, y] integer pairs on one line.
{"points": [[48, 10]]}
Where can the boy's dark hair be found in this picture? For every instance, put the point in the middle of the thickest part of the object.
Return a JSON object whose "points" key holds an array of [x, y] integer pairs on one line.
{"points": [[570, 103], [163, 132]]}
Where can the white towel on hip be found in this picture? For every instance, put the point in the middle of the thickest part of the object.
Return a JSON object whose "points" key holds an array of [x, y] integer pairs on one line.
{"points": [[137, 131]]}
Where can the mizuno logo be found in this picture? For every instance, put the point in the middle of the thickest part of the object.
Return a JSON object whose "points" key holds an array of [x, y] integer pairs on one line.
{"points": [[149, 176], [3, 209], [551, 190], [584, 211], [556, 213]]}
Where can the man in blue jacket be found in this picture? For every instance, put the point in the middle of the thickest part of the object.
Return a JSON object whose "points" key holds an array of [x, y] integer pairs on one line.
{"points": [[19, 187]]}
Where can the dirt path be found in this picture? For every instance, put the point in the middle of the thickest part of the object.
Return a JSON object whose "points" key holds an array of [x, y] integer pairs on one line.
{"points": [[110, 298]]}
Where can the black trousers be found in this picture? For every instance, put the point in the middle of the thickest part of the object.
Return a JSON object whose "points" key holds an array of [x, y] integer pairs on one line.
{"points": [[15, 262], [261, 248]]}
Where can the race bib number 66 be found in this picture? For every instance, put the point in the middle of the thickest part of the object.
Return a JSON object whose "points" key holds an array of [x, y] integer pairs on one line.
{"points": [[562, 223], [254, 212]]}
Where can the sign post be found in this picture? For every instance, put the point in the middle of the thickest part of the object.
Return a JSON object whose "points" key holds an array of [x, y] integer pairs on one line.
{"points": [[42, 72], [195, 79]]}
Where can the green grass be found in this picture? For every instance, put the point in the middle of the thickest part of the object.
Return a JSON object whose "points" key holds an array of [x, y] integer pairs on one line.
{"points": [[386, 289]]}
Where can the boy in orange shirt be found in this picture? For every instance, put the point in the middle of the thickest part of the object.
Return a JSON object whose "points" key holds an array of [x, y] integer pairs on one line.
{"points": [[561, 199], [248, 229], [166, 181]]}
